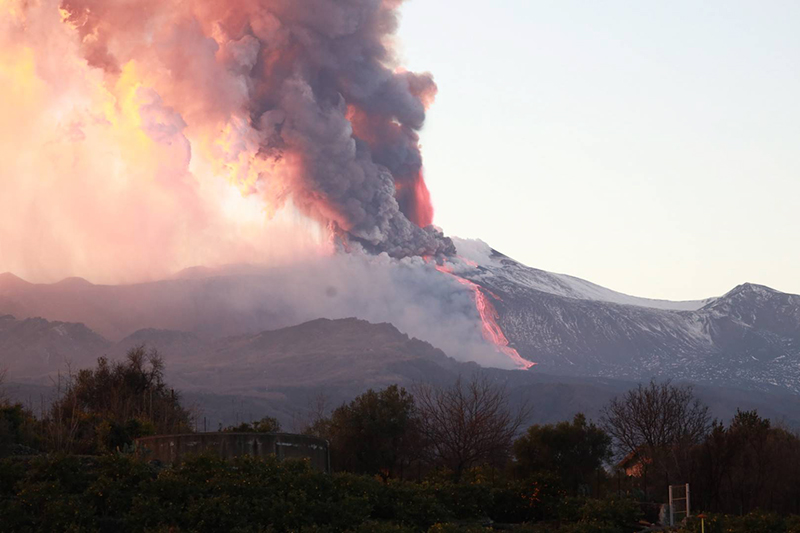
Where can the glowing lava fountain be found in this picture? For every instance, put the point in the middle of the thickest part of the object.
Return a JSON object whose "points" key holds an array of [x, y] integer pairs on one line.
{"points": [[489, 327]]}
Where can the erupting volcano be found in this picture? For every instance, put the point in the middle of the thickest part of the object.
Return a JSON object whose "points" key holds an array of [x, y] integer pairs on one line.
{"points": [[146, 136], [157, 108]]}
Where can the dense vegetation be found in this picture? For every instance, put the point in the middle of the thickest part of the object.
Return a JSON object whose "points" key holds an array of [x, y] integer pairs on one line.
{"points": [[118, 493], [452, 458], [100, 410]]}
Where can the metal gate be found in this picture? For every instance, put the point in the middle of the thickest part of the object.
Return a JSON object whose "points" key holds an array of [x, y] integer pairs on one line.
{"points": [[679, 503]]}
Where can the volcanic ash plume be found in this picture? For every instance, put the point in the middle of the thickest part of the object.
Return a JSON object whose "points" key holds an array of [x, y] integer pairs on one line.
{"points": [[143, 104]]}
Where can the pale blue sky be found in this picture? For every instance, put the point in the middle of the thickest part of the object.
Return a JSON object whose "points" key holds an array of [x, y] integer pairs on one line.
{"points": [[651, 147]]}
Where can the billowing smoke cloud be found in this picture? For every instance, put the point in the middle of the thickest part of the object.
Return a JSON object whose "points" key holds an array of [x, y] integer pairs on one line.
{"points": [[125, 121], [306, 91], [139, 137]]}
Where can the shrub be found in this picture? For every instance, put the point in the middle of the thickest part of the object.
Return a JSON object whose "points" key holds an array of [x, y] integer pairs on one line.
{"points": [[463, 500], [458, 528], [755, 522], [530, 500]]}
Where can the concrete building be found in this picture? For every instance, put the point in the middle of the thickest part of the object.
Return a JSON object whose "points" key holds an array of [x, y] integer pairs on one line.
{"points": [[171, 449]]}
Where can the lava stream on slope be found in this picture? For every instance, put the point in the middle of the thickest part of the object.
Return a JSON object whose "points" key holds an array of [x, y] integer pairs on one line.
{"points": [[489, 327]]}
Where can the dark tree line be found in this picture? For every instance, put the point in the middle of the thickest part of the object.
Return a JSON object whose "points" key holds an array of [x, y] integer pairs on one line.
{"points": [[394, 433], [459, 431], [744, 466], [268, 424], [748, 465], [574, 451]]}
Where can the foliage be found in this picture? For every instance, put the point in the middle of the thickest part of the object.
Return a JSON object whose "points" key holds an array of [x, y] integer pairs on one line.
{"points": [[119, 493], [267, 424], [611, 515], [755, 522], [411, 505], [746, 466], [464, 431], [104, 408], [377, 433], [532, 499], [572, 451], [19, 430], [454, 527]]}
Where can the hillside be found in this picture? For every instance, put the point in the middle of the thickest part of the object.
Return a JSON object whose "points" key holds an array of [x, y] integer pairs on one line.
{"points": [[748, 338]]}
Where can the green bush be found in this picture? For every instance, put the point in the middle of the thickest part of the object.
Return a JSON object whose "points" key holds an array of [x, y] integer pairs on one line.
{"points": [[458, 528], [18, 430], [50, 496], [11, 473], [529, 500], [247, 495], [463, 500], [381, 527], [208, 494], [411, 505], [586, 515], [755, 522], [619, 512]]}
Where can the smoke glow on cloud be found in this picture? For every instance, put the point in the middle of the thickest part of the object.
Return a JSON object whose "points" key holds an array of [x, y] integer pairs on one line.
{"points": [[140, 137]]}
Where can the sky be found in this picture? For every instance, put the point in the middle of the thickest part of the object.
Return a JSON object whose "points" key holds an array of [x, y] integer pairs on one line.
{"points": [[650, 147]]}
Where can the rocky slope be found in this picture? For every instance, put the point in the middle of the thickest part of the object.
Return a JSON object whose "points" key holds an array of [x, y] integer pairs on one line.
{"points": [[749, 337]]}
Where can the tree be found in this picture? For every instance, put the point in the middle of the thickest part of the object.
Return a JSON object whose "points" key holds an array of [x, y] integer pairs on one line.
{"points": [[660, 423], [749, 465], [467, 424], [267, 424], [573, 451], [108, 406], [756, 445], [18, 426], [3, 396], [376, 433]]}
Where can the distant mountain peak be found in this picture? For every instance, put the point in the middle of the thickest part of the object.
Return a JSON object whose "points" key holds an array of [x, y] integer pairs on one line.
{"points": [[751, 288], [74, 281], [7, 279]]}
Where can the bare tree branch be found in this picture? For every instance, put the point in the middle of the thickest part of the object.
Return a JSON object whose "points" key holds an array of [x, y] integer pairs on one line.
{"points": [[468, 423], [659, 422]]}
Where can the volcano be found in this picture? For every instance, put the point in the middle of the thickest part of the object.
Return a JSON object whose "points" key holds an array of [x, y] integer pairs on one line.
{"points": [[749, 337]]}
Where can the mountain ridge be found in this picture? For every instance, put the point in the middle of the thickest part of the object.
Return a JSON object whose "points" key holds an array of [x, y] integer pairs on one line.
{"points": [[749, 337], [286, 372]]}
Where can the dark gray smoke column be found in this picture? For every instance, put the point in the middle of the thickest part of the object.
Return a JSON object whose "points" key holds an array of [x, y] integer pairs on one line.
{"points": [[322, 95]]}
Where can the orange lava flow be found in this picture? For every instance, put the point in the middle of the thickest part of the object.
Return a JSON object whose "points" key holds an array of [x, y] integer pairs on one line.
{"points": [[422, 214], [490, 328]]}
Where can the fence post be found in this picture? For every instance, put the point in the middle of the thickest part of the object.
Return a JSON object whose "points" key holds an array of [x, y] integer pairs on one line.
{"points": [[688, 502], [671, 510]]}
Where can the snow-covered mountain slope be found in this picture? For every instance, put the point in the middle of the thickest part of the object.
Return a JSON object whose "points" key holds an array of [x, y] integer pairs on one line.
{"points": [[749, 337], [497, 268]]}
